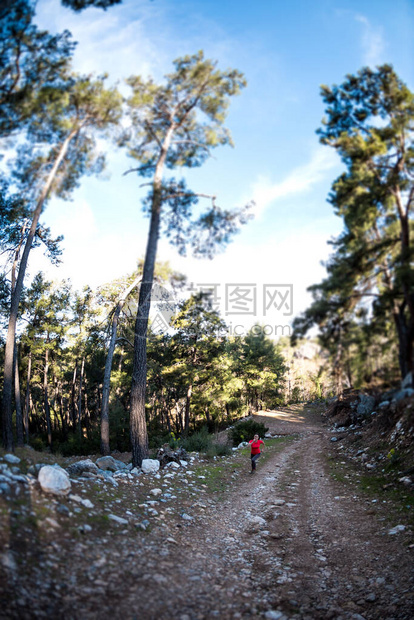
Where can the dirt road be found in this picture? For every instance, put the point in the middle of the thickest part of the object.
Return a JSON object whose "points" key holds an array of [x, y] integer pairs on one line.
{"points": [[288, 542]]}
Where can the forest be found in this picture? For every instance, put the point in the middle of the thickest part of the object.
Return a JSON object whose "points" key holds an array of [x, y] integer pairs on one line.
{"points": [[91, 370]]}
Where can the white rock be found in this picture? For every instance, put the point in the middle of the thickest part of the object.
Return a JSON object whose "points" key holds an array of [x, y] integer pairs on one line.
{"points": [[275, 615], [173, 465], [11, 458], [183, 463], [396, 529], [150, 466], [256, 520], [135, 471], [118, 519], [54, 479], [75, 498], [156, 492], [8, 561]]}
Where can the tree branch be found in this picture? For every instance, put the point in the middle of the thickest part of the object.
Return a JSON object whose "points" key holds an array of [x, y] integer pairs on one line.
{"points": [[188, 194], [146, 167], [121, 338]]}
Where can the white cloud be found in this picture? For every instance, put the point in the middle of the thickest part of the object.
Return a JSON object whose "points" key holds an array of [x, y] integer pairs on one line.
{"points": [[90, 256], [373, 43], [117, 42], [300, 180]]}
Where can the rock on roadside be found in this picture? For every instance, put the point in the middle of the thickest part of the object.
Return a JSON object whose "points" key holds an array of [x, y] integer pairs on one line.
{"points": [[108, 462], [54, 480], [81, 466], [150, 466]]}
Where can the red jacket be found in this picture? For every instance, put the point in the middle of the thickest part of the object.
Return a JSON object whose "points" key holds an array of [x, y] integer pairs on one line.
{"points": [[255, 446]]}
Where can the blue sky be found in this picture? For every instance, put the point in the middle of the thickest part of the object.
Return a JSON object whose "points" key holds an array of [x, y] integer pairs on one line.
{"points": [[286, 51]]}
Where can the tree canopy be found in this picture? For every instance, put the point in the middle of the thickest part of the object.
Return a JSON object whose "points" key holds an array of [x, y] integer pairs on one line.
{"points": [[370, 123]]}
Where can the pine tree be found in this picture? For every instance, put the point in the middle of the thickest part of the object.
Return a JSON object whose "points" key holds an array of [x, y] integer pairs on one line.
{"points": [[176, 125]]}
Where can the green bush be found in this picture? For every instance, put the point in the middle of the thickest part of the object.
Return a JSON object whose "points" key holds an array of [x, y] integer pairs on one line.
{"points": [[74, 446], [198, 442], [38, 443], [246, 430], [218, 449]]}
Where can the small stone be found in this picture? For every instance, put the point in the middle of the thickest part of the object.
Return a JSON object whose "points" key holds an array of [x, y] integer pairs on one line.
{"points": [[173, 465], [119, 520], [156, 492], [144, 525], [8, 561], [62, 509], [186, 517], [11, 458], [275, 615], [396, 529], [256, 520]]}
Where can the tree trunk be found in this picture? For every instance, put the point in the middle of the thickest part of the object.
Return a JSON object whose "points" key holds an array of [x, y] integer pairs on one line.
{"points": [[17, 398], [187, 409], [62, 414], [27, 399], [46, 398], [7, 409], [73, 396], [80, 400], [138, 426], [105, 449], [406, 355]]}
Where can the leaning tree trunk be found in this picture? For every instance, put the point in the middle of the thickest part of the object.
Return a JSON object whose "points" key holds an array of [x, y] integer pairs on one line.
{"points": [[139, 435], [7, 409], [105, 449], [138, 425]]}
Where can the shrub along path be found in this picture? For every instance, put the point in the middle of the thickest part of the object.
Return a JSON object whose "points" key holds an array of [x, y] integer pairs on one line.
{"points": [[291, 541]]}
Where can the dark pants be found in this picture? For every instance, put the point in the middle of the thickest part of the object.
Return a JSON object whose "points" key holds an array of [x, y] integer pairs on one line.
{"points": [[254, 458]]}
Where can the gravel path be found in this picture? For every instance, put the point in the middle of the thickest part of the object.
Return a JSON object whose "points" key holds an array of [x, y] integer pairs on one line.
{"points": [[286, 542]]}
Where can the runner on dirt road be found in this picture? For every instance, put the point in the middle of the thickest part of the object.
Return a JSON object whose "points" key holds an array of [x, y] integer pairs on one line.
{"points": [[255, 444]]}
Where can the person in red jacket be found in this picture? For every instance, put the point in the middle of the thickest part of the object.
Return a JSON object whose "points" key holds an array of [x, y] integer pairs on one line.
{"points": [[255, 444]]}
